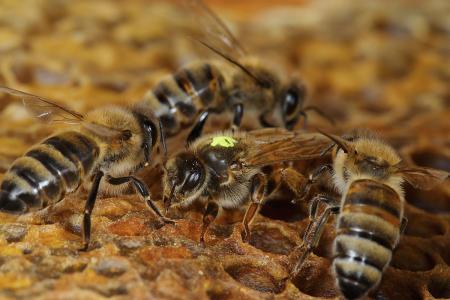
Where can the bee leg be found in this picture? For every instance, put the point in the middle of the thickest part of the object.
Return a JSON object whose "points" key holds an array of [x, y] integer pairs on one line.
{"points": [[319, 112], [259, 183], [196, 131], [403, 225], [314, 231], [163, 139], [142, 189], [296, 181], [314, 176], [238, 109], [210, 214], [88, 210], [275, 179], [305, 119]]}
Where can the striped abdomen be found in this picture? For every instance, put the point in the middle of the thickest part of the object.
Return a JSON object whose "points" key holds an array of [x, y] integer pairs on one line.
{"points": [[178, 99], [46, 173], [368, 229]]}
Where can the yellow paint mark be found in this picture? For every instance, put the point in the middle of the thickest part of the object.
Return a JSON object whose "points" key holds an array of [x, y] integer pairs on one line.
{"points": [[223, 141]]}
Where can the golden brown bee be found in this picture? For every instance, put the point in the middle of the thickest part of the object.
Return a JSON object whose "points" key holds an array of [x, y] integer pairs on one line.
{"points": [[238, 81], [224, 170], [109, 143], [368, 174]]}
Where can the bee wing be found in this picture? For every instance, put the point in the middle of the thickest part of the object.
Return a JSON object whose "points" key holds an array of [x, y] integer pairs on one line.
{"points": [[271, 134], [217, 37], [43, 108], [50, 111], [273, 149], [423, 178], [212, 30]]}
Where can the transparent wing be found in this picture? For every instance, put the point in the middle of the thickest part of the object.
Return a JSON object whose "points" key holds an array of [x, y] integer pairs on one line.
{"points": [[212, 33], [271, 134], [271, 149], [50, 111], [43, 108], [212, 30]]}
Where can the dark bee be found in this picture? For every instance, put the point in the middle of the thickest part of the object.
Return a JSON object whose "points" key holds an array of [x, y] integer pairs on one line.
{"points": [[224, 170], [109, 143], [368, 174], [238, 81]]}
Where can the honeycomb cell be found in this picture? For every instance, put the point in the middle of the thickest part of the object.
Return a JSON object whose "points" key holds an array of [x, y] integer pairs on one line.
{"points": [[283, 210], [424, 224], [13, 232], [316, 279], [439, 285], [253, 277], [271, 239], [411, 250], [112, 266], [395, 284], [256, 274]]}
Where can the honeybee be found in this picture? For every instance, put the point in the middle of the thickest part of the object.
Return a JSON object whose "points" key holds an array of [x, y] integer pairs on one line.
{"points": [[108, 144], [236, 82], [224, 169], [368, 175]]}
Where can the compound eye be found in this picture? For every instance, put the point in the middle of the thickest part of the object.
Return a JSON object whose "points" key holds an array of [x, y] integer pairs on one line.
{"points": [[147, 124], [151, 131], [290, 102], [126, 135], [192, 181]]}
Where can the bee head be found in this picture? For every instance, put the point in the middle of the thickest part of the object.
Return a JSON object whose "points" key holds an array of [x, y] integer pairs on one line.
{"points": [[365, 155], [184, 179], [292, 97]]}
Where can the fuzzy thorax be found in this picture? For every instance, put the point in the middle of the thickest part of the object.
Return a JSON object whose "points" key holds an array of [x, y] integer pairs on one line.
{"points": [[349, 167]]}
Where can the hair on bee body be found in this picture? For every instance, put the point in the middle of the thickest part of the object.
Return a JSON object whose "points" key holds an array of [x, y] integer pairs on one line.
{"points": [[224, 170], [235, 83], [102, 153], [368, 173]]}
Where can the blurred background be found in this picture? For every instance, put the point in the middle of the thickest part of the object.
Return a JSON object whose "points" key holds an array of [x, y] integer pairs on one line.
{"points": [[383, 65], [376, 64]]}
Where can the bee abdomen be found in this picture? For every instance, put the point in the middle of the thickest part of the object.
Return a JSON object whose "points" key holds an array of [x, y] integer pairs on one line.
{"points": [[78, 148], [367, 232], [178, 99], [47, 172], [201, 82]]}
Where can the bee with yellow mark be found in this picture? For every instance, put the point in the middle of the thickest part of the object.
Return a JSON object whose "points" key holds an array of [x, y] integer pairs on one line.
{"points": [[224, 170]]}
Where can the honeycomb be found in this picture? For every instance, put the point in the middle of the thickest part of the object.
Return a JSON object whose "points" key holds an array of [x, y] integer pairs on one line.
{"points": [[379, 65]]}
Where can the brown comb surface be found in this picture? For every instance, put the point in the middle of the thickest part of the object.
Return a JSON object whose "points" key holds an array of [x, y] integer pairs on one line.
{"points": [[381, 65]]}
